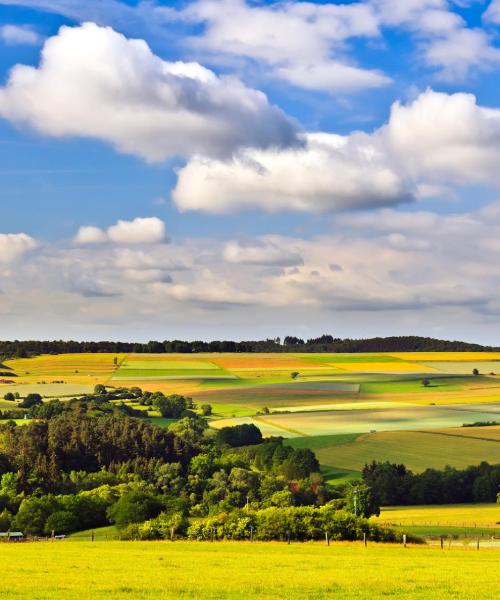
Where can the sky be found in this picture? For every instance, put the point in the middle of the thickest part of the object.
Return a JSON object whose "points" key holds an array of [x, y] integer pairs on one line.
{"points": [[237, 169]]}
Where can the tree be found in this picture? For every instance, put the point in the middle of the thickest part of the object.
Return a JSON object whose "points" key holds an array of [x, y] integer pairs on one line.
{"points": [[33, 514], [239, 435], [206, 410], [30, 401], [61, 522], [9, 396], [475, 372], [115, 360], [134, 507], [299, 464], [361, 502], [100, 389], [426, 382], [294, 374], [171, 406]]}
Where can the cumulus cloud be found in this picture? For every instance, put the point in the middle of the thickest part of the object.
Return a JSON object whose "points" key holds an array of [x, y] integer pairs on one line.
{"points": [[492, 14], [14, 35], [447, 137], [94, 82], [331, 172], [14, 245], [261, 252], [300, 42], [148, 230], [436, 140]]}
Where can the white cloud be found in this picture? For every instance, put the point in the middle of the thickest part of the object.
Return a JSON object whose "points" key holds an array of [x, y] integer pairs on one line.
{"points": [[445, 40], [459, 51], [437, 140], [423, 269], [139, 231], [492, 15], [94, 82], [148, 230], [14, 245], [14, 35], [261, 252], [446, 137], [88, 234], [330, 173], [300, 42]]}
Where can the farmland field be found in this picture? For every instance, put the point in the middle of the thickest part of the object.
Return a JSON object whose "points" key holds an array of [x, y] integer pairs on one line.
{"points": [[226, 571], [307, 397], [459, 515]]}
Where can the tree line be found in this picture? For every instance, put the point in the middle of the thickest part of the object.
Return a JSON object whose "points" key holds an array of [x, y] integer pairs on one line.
{"points": [[393, 484], [324, 343]]}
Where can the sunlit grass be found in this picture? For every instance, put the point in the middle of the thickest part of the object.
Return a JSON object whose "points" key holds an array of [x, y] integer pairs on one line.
{"points": [[230, 571]]}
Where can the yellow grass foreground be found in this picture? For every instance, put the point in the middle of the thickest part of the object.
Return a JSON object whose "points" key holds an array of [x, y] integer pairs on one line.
{"points": [[227, 571]]}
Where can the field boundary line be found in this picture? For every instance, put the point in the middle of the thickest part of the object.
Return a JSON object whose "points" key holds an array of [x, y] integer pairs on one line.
{"points": [[457, 435]]}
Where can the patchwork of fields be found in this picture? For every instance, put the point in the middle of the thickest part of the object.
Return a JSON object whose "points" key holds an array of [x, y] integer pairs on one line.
{"points": [[379, 398]]}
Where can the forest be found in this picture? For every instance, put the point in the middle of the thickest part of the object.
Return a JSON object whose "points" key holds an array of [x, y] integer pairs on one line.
{"points": [[324, 343]]}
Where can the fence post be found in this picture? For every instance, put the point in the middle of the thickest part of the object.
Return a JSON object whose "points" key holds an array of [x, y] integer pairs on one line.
{"points": [[327, 538], [478, 543], [364, 539], [92, 536], [404, 540], [288, 537], [442, 543]]}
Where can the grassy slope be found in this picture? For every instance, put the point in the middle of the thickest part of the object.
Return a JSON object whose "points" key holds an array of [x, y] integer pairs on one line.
{"points": [[224, 571], [418, 450]]}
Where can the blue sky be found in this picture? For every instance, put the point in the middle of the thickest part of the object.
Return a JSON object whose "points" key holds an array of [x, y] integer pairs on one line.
{"points": [[249, 168]]}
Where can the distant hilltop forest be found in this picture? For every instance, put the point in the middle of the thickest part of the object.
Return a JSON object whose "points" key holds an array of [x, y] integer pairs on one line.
{"points": [[324, 343]]}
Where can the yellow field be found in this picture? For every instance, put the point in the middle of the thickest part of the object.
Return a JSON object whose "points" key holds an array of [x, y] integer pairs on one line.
{"points": [[458, 515], [230, 571], [424, 356], [383, 367]]}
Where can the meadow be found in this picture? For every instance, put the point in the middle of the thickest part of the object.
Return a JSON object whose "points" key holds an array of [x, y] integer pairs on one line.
{"points": [[235, 570], [376, 398], [463, 521]]}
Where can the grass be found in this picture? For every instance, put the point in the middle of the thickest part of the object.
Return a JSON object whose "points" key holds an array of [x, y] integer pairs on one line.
{"points": [[451, 515], [101, 534], [230, 571], [322, 441], [418, 450]]}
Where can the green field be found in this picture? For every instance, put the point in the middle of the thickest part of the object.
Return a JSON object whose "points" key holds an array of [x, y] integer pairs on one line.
{"points": [[418, 450], [239, 570]]}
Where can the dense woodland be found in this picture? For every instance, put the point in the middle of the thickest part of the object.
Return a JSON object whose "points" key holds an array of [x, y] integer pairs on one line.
{"points": [[324, 343], [393, 484]]}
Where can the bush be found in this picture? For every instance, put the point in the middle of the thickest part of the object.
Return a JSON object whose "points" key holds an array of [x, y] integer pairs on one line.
{"points": [[30, 401]]}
